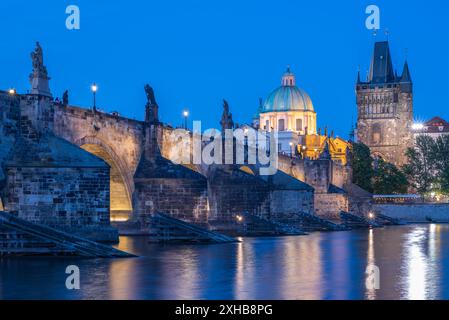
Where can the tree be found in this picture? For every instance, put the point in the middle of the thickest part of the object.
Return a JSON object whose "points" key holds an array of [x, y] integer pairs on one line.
{"points": [[388, 179], [440, 158], [420, 168], [362, 165]]}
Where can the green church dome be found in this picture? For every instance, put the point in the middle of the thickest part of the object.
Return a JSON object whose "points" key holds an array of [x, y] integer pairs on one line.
{"points": [[288, 97]]}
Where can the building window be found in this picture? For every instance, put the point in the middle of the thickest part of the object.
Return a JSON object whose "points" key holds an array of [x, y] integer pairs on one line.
{"points": [[396, 98], [267, 125], [298, 124], [281, 125], [376, 134]]}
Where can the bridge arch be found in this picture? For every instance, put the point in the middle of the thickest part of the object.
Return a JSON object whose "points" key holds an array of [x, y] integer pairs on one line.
{"points": [[248, 170], [122, 186]]}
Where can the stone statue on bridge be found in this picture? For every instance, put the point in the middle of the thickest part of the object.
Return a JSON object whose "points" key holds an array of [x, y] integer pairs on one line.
{"points": [[150, 94], [39, 77], [151, 109], [37, 57], [65, 98], [226, 119]]}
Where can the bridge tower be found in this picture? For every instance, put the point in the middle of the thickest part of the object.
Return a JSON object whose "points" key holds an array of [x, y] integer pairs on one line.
{"points": [[385, 108]]}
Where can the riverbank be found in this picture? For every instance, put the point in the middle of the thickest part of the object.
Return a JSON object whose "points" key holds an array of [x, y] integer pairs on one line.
{"points": [[415, 212]]}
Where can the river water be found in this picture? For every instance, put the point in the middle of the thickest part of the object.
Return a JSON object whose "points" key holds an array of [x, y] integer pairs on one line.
{"points": [[413, 263]]}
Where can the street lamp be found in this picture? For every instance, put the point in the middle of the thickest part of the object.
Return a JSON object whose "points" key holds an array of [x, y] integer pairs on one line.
{"points": [[12, 91], [185, 114], [417, 126], [94, 89]]}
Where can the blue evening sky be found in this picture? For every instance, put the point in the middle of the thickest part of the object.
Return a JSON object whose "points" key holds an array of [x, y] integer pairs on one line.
{"points": [[195, 53]]}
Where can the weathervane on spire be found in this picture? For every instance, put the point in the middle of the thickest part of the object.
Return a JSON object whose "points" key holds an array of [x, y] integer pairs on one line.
{"points": [[387, 33]]}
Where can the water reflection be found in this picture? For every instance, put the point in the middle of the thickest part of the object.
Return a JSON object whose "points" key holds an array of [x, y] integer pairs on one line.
{"points": [[318, 266], [302, 269], [421, 258], [371, 264]]}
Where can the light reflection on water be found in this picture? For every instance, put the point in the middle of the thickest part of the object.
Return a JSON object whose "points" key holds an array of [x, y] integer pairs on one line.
{"points": [[412, 262]]}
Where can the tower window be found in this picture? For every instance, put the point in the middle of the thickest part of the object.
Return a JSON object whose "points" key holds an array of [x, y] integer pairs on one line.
{"points": [[376, 134], [396, 97]]}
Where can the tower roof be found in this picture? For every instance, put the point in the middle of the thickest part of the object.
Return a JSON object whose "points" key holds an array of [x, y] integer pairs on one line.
{"points": [[381, 64], [406, 77]]}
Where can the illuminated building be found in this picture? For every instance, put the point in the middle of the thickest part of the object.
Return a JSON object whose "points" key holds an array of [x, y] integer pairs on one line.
{"points": [[289, 111]]}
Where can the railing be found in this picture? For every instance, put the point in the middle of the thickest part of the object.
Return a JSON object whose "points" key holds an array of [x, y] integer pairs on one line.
{"points": [[410, 199]]}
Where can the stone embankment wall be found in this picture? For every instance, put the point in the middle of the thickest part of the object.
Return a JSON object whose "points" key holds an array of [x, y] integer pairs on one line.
{"points": [[415, 213]]}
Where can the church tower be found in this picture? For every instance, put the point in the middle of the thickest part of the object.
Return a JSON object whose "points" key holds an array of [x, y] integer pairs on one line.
{"points": [[385, 108]]}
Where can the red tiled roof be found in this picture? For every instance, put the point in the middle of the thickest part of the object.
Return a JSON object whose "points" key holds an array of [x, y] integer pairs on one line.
{"points": [[436, 124]]}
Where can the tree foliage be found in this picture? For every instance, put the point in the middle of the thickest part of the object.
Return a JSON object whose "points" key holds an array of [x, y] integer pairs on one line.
{"points": [[420, 168], [381, 178], [362, 165], [388, 179], [428, 164], [440, 158]]}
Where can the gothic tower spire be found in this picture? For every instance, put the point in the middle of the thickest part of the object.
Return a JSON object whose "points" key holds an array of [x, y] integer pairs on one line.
{"points": [[381, 70], [406, 79]]}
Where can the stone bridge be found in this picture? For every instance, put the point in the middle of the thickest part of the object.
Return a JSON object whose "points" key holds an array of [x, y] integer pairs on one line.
{"points": [[119, 141], [113, 138], [45, 179]]}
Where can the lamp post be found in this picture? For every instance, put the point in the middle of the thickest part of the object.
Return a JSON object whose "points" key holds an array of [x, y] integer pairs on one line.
{"points": [[94, 89], [185, 114], [12, 92], [291, 149]]}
